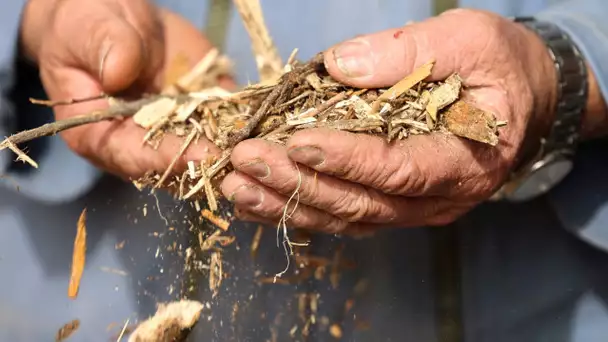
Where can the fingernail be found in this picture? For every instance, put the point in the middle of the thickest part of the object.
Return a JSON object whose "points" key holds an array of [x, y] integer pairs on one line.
{"points": [[247, 195], [256, 168], [354, 58], [307, 155]]}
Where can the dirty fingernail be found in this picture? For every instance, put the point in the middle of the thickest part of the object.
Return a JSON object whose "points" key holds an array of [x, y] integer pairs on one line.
{"points": [[256, 168], [247, 195], [307, 155], [354, 58]]}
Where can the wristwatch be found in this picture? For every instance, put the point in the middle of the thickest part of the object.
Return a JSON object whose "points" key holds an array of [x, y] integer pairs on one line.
{"points": [[554, 159]]}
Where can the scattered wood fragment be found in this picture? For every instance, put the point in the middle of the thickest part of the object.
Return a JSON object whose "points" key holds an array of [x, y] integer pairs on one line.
{"points": [[335, 331], [209, 242], [123, 330], [78, 256], [114, 271], [170, 323], [255, 243], [217, 221], [404, 85], [67, 330], [216, 273]]}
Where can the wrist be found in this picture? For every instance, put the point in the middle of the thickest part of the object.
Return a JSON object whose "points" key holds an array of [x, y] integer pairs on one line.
{"points": [[595, 118], [542, 79], [37, 14]]}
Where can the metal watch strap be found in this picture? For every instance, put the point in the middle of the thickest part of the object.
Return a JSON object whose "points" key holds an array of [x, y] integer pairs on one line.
{"points": [[572, 86]]}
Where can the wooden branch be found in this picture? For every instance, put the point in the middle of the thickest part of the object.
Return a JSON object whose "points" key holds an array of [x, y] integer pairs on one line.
{"points": [[117, 110]]}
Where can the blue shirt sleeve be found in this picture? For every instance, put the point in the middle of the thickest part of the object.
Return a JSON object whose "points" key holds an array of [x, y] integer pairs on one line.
{"points": [[581, 201], [10, 14], [62, 176], [585, 22]]}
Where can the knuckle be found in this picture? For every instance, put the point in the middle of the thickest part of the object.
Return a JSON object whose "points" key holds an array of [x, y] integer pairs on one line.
{"points": [[406, 177], [355, 208]]}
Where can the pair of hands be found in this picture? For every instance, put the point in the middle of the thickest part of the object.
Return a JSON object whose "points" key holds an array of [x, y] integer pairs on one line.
{"points": [[356, 182]]}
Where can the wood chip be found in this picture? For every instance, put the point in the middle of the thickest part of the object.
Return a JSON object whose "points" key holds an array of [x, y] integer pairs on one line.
{"points": [[169, 322], [78, 256], [67, 330], [470, 122], [444, 95], [157, 111], [216, 273], [217, 221], [335, 331], [404, 85]]}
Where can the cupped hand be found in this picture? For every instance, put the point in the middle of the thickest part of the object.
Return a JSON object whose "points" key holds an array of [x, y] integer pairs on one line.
{"points": [[87, 47], [350, 181]]}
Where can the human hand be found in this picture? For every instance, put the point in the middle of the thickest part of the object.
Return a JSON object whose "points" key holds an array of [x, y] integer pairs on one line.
{"points": [[87, 47], [358, 181]]}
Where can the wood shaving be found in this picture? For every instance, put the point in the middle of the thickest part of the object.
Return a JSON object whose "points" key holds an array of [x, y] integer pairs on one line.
{"points": [[78, 255], [169, 323], [217, 221]]}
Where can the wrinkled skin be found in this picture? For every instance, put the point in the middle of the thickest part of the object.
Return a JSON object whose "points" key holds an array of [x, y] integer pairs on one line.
{"points": [[86, 47], [355, 182]]}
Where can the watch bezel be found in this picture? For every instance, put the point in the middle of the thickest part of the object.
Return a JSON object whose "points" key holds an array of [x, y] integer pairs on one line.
{"points": [[552, 159]]}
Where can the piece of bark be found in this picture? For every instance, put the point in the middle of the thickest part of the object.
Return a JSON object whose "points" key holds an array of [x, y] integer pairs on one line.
{"points": [[467, 121], [67, 330], [169, 323]]}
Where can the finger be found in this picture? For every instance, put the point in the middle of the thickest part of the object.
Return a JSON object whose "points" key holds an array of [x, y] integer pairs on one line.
{"points": [[382, 59], [253, 197], [115, 44], [118, 146], [353, 202], [353, 230], [436, 165]]}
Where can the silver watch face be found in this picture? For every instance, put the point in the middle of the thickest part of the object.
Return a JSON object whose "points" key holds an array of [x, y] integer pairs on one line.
{"points": [[542, 179]]}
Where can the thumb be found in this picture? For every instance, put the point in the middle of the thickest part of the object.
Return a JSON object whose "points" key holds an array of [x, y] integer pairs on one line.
{"points": [[112, 50], [384, 58]]}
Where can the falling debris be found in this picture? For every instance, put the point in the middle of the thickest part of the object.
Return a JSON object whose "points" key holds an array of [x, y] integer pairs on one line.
{"points": [[78, 256], [335, 331], [290, 97], [170, 323], [67, 330], [217, 221], [216, 273]]}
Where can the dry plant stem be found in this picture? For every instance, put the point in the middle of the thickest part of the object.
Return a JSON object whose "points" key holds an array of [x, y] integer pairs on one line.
{"points": [[118, 110], [183, 149], [67, 102], [265, 53], [20, 154], [122, 332]]}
